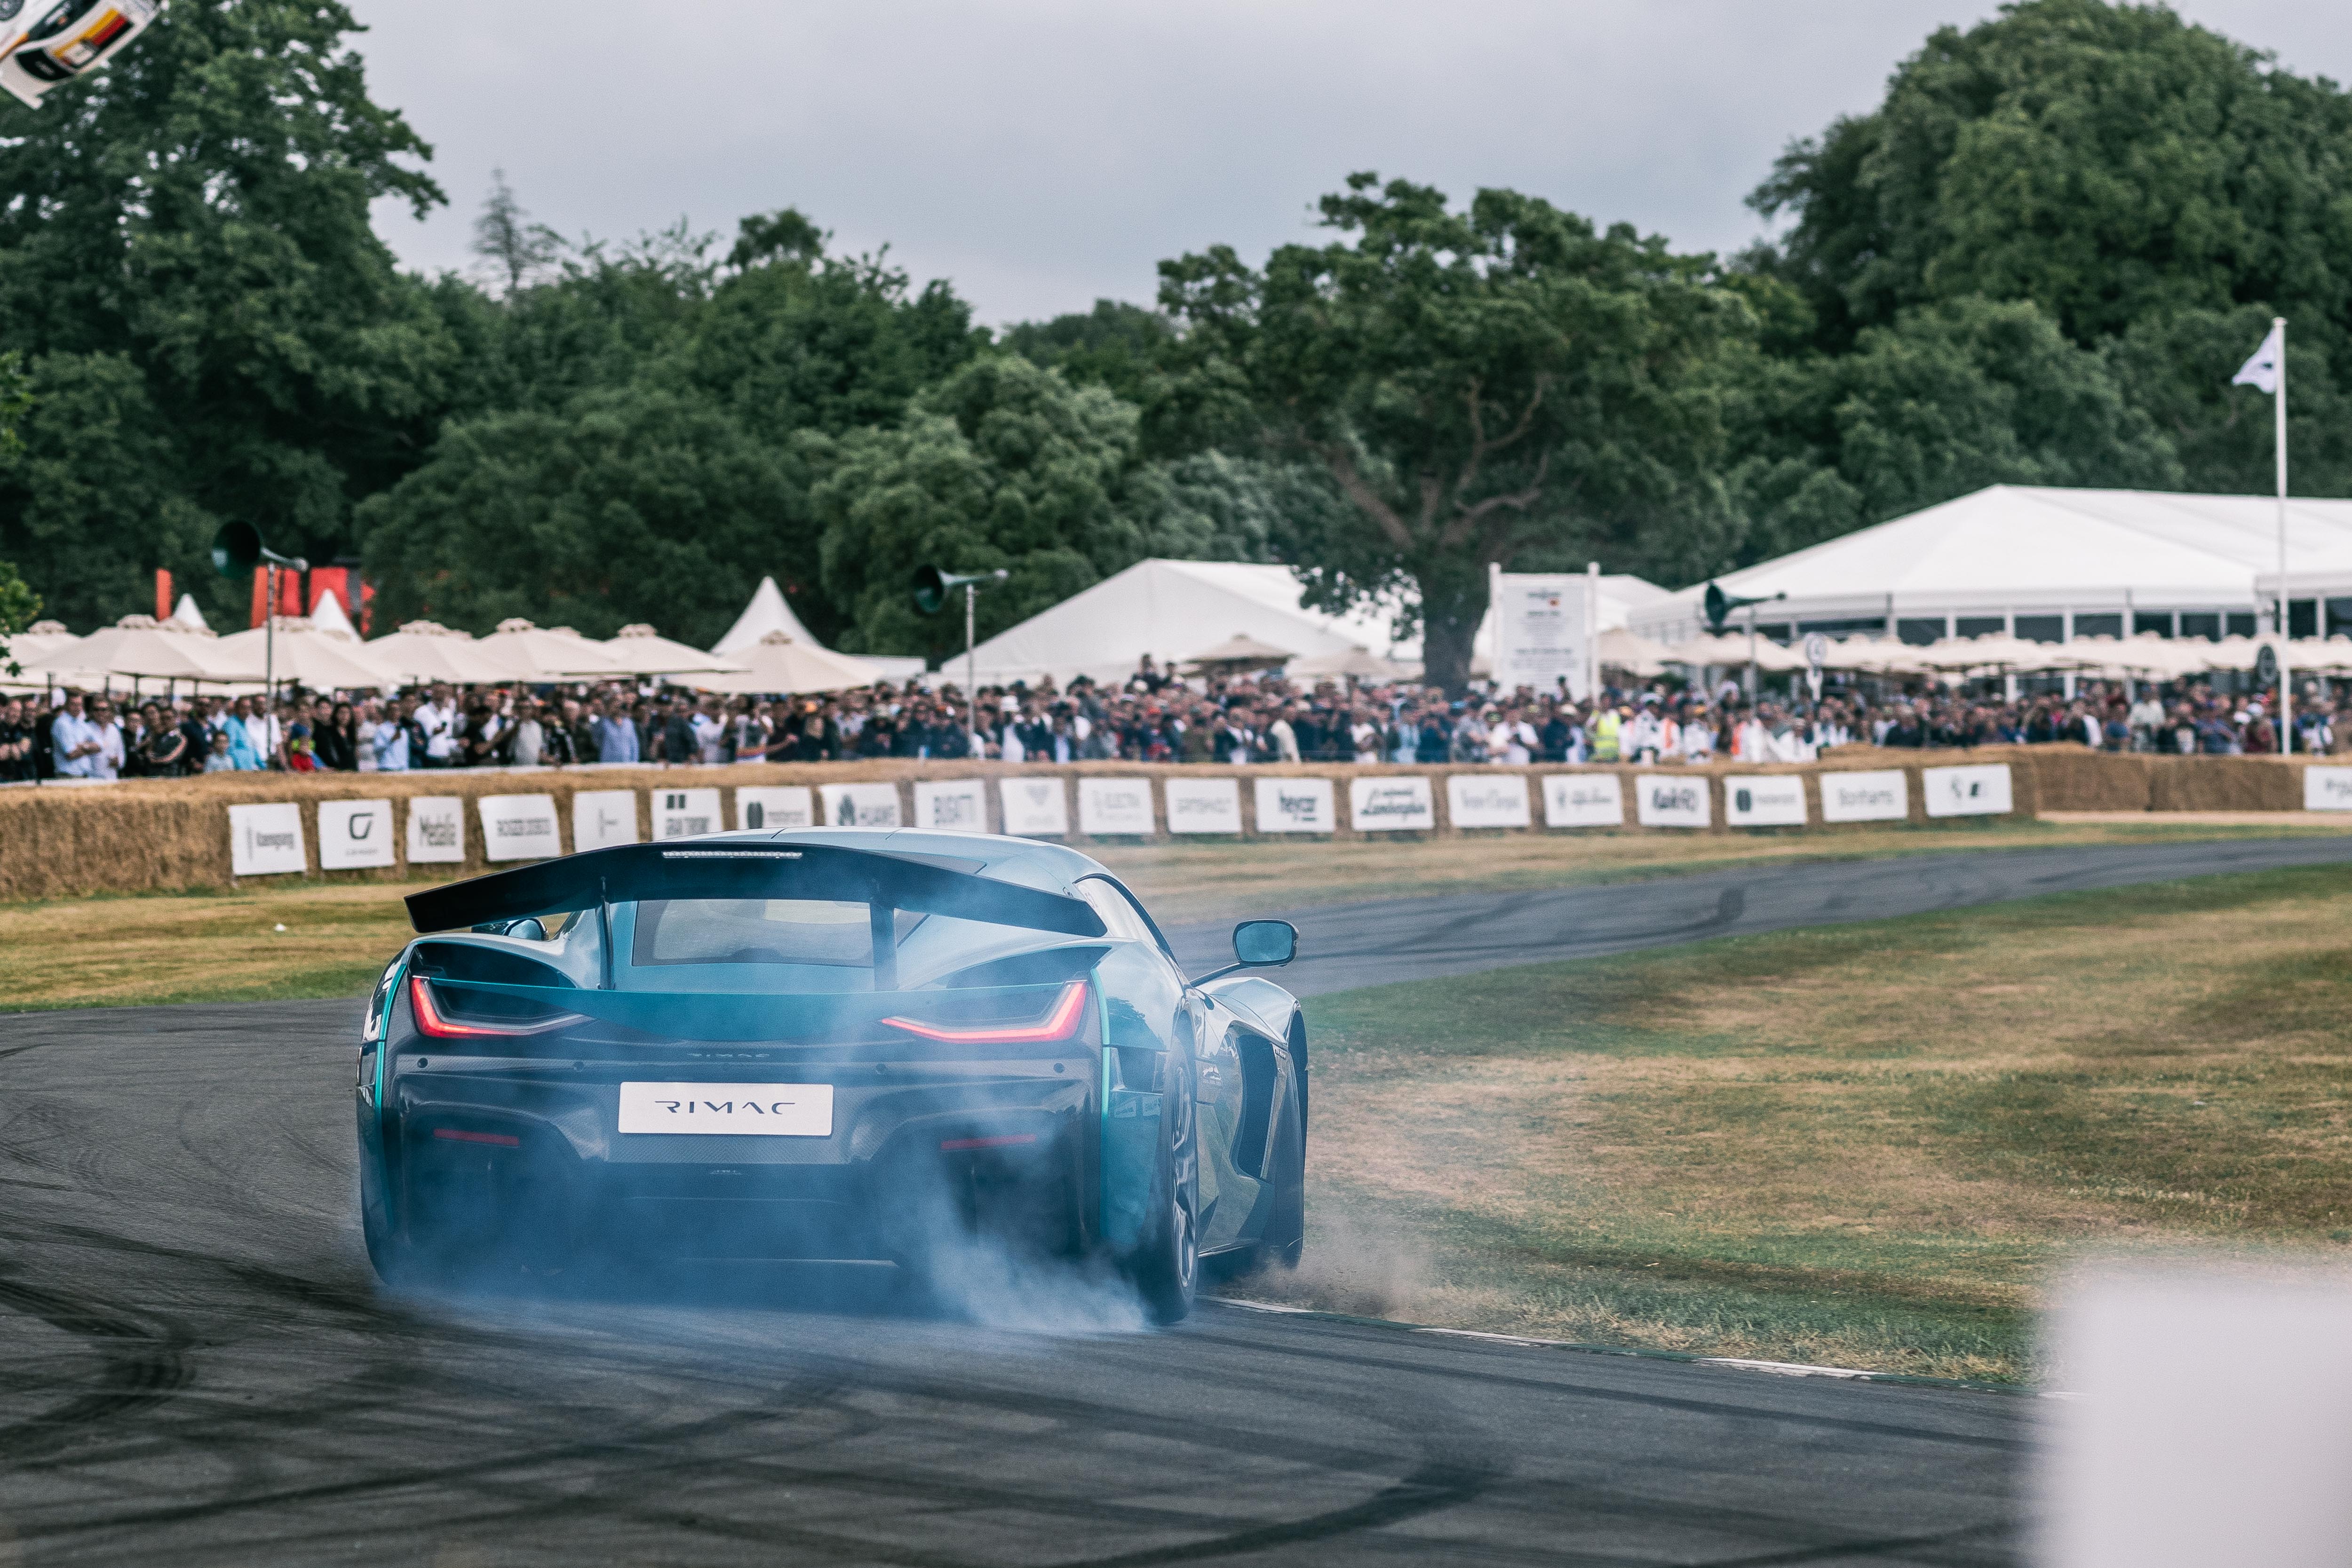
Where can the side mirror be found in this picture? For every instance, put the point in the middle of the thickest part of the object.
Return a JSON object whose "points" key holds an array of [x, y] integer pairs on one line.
{"points": [[1267, 944], [529, 928]]}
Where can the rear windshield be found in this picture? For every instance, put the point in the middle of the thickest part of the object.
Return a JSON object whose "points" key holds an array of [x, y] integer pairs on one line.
{"points": [[824, 931]]}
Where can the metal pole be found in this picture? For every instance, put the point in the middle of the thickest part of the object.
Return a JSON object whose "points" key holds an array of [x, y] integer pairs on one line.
{"points": [[2286, 682], [970, 665], [1751, 653], [270, 649], [1592, 632]]}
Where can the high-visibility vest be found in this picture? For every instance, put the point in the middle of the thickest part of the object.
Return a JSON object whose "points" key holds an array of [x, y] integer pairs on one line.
{"points": [[1605, 736]]}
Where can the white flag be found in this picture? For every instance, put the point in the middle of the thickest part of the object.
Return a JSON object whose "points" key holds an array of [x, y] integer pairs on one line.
{"points": [[2267, 365]]}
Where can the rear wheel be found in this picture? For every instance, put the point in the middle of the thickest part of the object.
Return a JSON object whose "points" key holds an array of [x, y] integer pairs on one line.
{"points": [[1167, 1266]]}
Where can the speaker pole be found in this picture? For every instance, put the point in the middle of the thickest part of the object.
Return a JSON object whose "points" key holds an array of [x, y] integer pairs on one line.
{"points": [[970, 663]]}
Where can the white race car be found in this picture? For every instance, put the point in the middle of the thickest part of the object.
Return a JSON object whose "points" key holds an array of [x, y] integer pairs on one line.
{"points": [[45, 42]]}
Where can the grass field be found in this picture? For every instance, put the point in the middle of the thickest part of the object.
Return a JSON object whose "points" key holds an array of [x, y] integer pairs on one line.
{"points": [[270, 939], [1864, 1145]]}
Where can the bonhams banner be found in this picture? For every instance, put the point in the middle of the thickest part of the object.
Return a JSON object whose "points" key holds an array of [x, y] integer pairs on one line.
{"points": [[860, 804], [1874, 795], [1584, 800], [1391, 805], [1204, 806], [1764, 800], [354, 835], [436, 830], [518, 827], [1295, 805], [1034, 807], [1662, 800], [685, 813], [603, 817], [775, 806], [1487, 800], [1540, 631], [952, 806], [1109, 807], [1979, 791], [265, 840]]}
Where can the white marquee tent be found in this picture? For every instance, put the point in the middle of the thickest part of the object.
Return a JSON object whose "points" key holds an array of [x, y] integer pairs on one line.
{"points": [[769, 612]]}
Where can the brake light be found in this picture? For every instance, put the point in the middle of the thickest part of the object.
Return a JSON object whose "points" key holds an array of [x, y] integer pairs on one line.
{"points": [[429, 1020], [1069, 1012]]}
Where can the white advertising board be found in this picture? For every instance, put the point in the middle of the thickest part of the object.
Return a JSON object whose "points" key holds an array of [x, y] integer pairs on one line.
{"points": [[1764, 800], [1583, 800], [603, 817], [860, 804], [354, 835], [685, 813], [1295, 805], [1540, 631], [1978, 791], [1880, 794], [1114, 807], [2327, 789], [1034, 807], [1661, 800], [1391, 805], [519, 828], [1487, 800], [1204, 806], [775, 806], [953, 805], [436, 830], [265, 840]]}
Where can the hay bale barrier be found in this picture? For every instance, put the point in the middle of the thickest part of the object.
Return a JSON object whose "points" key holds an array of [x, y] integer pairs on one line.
{"points": [[173, 834]]}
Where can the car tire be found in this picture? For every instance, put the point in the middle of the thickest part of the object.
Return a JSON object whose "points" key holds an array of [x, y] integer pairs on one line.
{"points": [[392, 1259], [1286, 1228], [1167, 1267]]}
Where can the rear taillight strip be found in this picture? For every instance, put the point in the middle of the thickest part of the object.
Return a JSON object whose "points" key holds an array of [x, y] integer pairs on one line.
{"points": [[1069, 1012], [429, 1020]]}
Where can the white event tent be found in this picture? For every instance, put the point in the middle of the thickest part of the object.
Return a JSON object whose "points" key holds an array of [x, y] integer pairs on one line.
{"points": [[2040, 564], [769, 612]]}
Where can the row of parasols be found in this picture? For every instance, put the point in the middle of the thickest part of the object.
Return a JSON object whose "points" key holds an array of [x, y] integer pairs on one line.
{"points": [[323, 653], [2148, 656]]}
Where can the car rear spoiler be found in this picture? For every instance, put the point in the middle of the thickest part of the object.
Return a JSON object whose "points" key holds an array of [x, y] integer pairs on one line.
{"points": [[746, 868]]}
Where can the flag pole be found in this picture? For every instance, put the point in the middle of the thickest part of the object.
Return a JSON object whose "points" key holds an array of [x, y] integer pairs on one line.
{"points": [[2286, 683]]}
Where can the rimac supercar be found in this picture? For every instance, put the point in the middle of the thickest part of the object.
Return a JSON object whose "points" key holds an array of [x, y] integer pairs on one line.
{"points": [[839, 1045]]}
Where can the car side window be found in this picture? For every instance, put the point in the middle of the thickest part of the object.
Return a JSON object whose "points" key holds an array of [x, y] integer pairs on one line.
{"points": [[1122, 915]]}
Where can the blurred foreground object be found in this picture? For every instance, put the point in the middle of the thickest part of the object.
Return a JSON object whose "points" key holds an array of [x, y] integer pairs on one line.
{"points": [[55, 43]]}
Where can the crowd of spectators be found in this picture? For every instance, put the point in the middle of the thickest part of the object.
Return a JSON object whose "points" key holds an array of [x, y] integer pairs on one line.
{"points": [[1151, 717]]}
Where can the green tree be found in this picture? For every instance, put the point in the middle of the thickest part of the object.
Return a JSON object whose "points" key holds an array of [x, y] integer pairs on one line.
{"points": [[517, 250], [1114, 344], [1480, 385]]}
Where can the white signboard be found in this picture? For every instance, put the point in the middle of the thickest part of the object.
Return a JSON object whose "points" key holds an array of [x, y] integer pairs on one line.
{"points": [[1204, 806], [1391, 805], [775, 806], [1662, 800], [436, 830], [519, 828], [265, 840], [2326, 789], [1876, 796], [956, 805], [1764, 800], [1295, 805], [1034, 808], [1107, 807], [603, 817], [354, 835], [745, 1110], [860, 804], [1584, 800], [685, 813], [1487, 800], [1540, 631], [1979, 791]]}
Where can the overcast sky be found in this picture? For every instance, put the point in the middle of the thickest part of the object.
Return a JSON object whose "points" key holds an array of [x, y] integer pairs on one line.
{"points": [[1041, 154]]}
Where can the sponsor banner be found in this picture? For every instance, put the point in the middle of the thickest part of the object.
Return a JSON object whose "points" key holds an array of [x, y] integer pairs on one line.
{"points": [[519, 828], [1391, 805], [603, 817], [1979, 791], [775, 806], [354, 835], [685, 813], [437, 829], [1540, 632], [1204, 806], [1876, 796], [1034, 807], [1295, 805], [265, 840], [860, 804], [1115, 806], [957, 806], [2327, 789], [1584, 800], [1764, 800], [1487, 800], [1661, 800]]}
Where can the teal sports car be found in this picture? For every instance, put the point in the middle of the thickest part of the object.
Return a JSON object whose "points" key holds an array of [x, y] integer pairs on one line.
{"points": [[856, 1044]]}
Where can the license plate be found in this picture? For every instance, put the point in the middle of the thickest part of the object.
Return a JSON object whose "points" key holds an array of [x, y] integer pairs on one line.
{"points": [[755, 1109]]}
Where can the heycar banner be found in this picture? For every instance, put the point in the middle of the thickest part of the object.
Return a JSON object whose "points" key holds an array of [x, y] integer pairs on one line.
{"points": [[1487, 800], [518, 827], [775, 806], [1540, 632], [1979, 791], [1204, 806], [1584, 800], [1663, 801], [2327, 789], [1391, 805], [1764, 800], [952, 806], [436, 830], [1115, 806], [860, 804], [1295, 805], [685, 813], [354, 835], [603, 817], [1876, 796], [265, 840], [1034, 807]]}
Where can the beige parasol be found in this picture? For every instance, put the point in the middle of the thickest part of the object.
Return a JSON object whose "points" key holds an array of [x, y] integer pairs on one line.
{"points": [[135, 647], [423, 651], [1356, 663], [780, 662], [1239, 652], [537, 653], [297, 651], [641, 650]]}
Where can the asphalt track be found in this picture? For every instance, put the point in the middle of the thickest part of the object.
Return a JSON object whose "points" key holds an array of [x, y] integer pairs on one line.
{"points": [[196, 1367]]}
